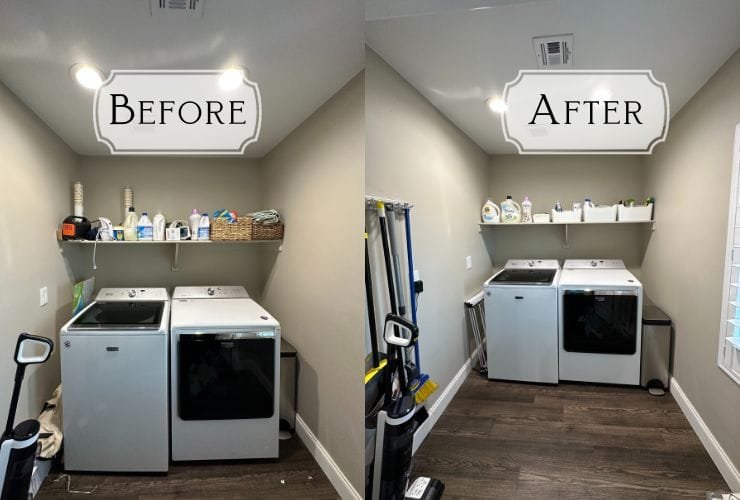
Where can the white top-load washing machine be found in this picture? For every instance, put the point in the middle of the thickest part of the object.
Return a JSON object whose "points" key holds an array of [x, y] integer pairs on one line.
{"points": [[521, 304], [225, 375], [600, 322], [114, 373]]}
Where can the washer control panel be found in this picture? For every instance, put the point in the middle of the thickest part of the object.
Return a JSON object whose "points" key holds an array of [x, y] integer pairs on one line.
{"points": [[129, 294], [210, 292]]}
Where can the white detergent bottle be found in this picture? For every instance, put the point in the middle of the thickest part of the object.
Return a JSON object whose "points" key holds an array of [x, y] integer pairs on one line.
{"points": [[511, 211], [145, 229], [526, 210], [159, 223], [194, 222], [490, 213], [204, 227], [129, 225]]}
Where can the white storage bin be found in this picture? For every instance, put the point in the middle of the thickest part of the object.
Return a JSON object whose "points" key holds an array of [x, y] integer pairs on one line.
{"points": [[567, 215], [541, 218], [638, 213], [603, 213]]}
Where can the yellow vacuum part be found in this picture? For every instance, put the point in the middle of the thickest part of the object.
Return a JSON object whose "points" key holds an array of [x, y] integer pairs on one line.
{"points": [[374, 371]]}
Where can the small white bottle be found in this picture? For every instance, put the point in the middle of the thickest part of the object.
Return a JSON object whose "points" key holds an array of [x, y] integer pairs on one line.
{"points": [[145, 229], [159, 223], [129, 225], [194, 221], [526, 210], [204, 227]]}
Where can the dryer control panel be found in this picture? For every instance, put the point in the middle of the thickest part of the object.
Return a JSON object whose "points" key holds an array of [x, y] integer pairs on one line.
{"points": [[210, 292], [593, 264]]}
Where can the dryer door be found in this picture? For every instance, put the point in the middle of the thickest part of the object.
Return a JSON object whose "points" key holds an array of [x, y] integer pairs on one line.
{"points": [[226, 375], [600, 321]]}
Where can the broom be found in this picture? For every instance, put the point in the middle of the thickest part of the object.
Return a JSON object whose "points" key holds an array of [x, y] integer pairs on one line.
{"points": [[423, 386]]}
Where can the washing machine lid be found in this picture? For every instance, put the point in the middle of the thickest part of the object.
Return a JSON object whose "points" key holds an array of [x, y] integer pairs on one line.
{"points": [[219, 313], [593, 264], [210, 292], [541, 277], [532, 264], [132, 315], [132, 294]]}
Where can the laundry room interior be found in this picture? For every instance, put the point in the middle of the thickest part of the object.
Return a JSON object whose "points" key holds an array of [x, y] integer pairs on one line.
{"points": [[436, 157], [307, 165]]}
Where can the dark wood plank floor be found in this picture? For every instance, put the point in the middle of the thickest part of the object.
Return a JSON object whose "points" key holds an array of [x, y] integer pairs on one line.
{"points": [[295, 475], [509, 440]]}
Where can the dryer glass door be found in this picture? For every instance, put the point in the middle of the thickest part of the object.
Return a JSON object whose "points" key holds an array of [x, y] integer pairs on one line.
{"points": [[601, 321], [226, 375]]}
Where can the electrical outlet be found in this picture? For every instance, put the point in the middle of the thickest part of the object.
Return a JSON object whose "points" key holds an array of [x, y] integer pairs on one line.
{"points": [[43, 296], [469, 262]]}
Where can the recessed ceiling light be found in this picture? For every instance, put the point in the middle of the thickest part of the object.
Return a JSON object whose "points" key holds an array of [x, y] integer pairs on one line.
{"points": [[231, 78], [496, 104], [88, 76], [602, 94]]}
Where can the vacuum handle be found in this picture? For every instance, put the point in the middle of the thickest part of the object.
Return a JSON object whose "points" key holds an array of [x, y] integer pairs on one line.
{"points": [[390, 335], [24, 349]]}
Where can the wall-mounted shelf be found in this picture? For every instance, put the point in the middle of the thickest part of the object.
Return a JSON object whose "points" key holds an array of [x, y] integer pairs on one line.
{"points": [[176, 244], [565, 225]]}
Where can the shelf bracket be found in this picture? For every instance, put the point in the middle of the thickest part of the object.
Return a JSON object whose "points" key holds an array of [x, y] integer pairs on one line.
{"points": [[565, 242], [176, 258]]}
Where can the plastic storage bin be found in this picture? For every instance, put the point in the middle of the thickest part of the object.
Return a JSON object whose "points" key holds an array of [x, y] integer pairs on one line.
{"points": [[638, 213], [541, 218], [604, 213], [567, 215]]}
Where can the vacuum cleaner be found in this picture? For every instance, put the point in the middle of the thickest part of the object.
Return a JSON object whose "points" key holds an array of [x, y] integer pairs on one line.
{"points": [[18, 445], [395, 422]]}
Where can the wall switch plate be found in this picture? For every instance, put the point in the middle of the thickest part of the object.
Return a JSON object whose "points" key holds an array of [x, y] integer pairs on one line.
{"points": [[417, 275], [469, 262], [43, 296]]}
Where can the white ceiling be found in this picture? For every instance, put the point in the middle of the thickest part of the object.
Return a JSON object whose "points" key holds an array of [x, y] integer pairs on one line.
{"points": [[457, 59], [300, 53]]}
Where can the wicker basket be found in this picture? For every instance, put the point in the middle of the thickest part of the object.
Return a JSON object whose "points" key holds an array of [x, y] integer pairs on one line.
{"points": [[274, 232], [222, 230]]}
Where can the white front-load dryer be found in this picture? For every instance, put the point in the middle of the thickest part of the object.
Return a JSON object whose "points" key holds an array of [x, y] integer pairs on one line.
{"points": [[225, 375], [600, 322]]}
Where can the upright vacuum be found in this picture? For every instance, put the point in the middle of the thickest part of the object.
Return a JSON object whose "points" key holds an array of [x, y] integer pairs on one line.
{"points": [[18, 445], [395, 423]]}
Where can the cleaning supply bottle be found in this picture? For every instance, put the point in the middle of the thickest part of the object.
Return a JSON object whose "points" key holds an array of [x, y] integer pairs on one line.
{"points": [[558, 206], [129, 225], [145, 229], [511, 211], [159, 223], [526, 210], [204, 227], [194, 221], [490, 213], [587, 203]]}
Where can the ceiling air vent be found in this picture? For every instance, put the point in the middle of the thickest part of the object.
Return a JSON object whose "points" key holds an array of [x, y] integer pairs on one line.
{"points": [[191, 8], [553, 51]]}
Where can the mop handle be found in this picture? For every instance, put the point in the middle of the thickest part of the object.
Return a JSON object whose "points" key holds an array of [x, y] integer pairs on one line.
{"points": [[412, 288], [371, 307]]}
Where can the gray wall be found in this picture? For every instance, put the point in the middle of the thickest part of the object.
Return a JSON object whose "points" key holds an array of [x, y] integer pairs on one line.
{"points": [[315, 179], [176, 186], [415, 154], [547, 179], [37, 174], [683, 269]]}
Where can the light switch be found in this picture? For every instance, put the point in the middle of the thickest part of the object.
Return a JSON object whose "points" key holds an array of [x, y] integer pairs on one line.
{"points": [[469, 262], [43, 296]]}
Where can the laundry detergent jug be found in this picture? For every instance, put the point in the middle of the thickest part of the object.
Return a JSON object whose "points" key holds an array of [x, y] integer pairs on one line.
{"points": [[511, 211], [490, 213]]}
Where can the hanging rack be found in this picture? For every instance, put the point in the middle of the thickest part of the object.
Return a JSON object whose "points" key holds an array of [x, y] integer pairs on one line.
{"points": [[397, 205]]}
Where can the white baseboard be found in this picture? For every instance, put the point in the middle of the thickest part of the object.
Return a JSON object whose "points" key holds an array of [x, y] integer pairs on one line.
{"points": [[728, 470], [441, 403], [325, 461]]}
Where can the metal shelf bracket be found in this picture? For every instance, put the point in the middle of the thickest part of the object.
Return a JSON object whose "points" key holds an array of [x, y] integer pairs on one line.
{"points": [[175, 265]]}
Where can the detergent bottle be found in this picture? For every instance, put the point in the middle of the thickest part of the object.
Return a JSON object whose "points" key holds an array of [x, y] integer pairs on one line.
{"points": [[204, 227], [159, 226], [526, 210], [129, 225], [511, 211], [194, 222], [490, 213], [145, 229]]}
